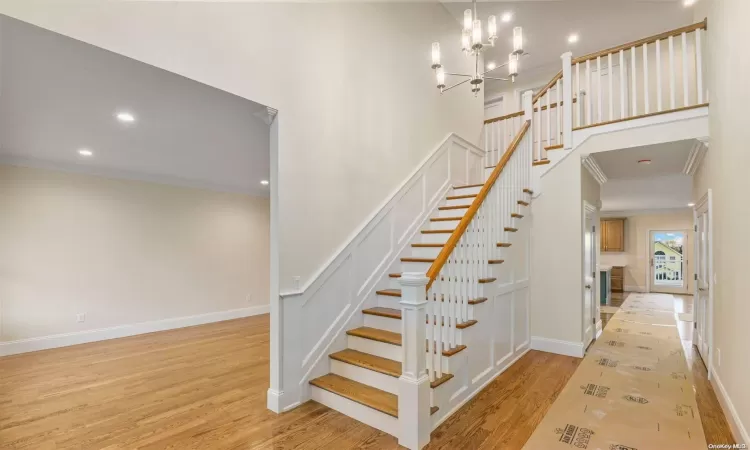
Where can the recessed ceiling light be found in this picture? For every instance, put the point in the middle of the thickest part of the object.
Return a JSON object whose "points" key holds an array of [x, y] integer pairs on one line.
{"points": [[691, 204], [125, 117], [644, 161], [491, 65], [506, 17], [85, 152], [687, 3], [264, 182], [573, 38]]}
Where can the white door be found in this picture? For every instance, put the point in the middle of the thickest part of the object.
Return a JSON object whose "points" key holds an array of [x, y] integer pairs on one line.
{"points": [[702, 280], [668, 261], [589, 284]]}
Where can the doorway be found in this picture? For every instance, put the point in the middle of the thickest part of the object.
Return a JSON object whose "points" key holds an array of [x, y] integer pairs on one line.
{"points": [[703, 293], [590, 303], [668, 261]]}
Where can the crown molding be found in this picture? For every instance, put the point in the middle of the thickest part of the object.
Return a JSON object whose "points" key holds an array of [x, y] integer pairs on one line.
{"points": [[591, 165], [695, 158]]}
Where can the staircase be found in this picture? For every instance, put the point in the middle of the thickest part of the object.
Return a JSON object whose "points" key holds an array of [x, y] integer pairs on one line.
{"points": [[427, 345]]}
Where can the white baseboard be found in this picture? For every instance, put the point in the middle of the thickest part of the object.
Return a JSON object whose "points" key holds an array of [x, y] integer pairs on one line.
{"points": [[735, 423], [103, 334], [556, 346]]}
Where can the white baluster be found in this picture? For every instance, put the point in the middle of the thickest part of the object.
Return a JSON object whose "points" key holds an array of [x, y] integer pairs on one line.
{"points": [[699, 64], [559, 121], [645, 78], [588, 93], [634, 111], [658, 76], [685, 99], [671, 74], [623, 99], [610, 76], [579, 118], [599, 116], [549, 122], [566, 109]]}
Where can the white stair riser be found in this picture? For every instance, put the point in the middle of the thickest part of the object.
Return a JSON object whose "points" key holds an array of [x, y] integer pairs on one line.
{"points": [[466, 191], [365, 414], [365, 376], [421, 267], [460, 201], [452, 212], [394, 325], [434, 238], [375, 348], [445, 225], [393, 283], [425, 252]]}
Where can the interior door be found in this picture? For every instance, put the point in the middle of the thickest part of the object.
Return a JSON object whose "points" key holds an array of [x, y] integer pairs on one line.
{"points": [[702, 281], [589, 327]]}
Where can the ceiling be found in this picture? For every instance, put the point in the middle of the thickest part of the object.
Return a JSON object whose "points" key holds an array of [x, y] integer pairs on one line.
{"points": [[546, 25], [666, 159], [60, 95]]}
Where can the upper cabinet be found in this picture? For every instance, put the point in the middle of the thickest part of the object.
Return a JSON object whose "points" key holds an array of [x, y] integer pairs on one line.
{"points": [[612, 235]]}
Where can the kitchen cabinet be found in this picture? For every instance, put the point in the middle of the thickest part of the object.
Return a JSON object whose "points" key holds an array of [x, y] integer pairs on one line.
{"points": [[617, 278], [612, 232]]}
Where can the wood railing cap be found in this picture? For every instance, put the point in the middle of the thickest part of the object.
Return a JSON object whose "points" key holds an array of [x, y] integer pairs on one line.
{"points": [[507, 116], [449, 246]]}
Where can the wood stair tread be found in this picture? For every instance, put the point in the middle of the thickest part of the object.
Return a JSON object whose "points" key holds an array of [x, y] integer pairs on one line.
{"points": [[438, 231], [450, 352], [477, 301], [459, 197], [428, 245], [375, 334], [504, 244], [446, 208], [433, 409], [516, 216], [369, 396], [419, 260], [528, 191], [511, 229], [521, 202], [390, 292], [487, 280], [444, 219], [367, 361], [438, 382], [468, 186], [541, 162], [393, 313], [554, 147], [495, 261]]}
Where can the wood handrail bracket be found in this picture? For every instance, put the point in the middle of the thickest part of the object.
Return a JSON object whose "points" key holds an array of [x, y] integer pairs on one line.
{"points": [[449, 246], [507, 116], [651, 39]]}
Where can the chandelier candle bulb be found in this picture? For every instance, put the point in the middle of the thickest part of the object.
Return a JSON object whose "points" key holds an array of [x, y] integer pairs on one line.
{"points": [[440, 78], [517, 40], [466, 40], [512, 65], [492, 28], [476, 35], [435, 55], [467, 19]]}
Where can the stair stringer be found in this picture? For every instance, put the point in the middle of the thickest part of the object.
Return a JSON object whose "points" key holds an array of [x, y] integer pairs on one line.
{"points": [[378, 246]]}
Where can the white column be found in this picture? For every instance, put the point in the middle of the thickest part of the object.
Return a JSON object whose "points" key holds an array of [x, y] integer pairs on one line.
{"points": [[567, 98], [414, 384]]}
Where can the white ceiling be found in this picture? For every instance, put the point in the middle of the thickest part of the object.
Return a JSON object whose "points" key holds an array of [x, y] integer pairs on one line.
{"points": [[600, 24], [666, 159], [59, 95]]}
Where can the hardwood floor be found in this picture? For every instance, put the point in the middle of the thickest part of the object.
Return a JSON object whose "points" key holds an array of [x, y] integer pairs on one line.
{"points": [[205, 388]]}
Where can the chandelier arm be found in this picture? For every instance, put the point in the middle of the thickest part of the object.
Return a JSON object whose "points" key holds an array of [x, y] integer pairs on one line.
{"points": [[500, 79], [458, 74], [451, 87], [494, 68]]}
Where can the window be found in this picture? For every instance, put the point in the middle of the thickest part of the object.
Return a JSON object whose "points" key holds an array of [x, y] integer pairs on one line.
{"points": [[672, 258]]}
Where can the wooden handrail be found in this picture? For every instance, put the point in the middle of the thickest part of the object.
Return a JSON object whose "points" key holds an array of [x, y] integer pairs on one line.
{"points": [[554, 105], [449, 246], [657, 37], [507, 116], [547, 87]]}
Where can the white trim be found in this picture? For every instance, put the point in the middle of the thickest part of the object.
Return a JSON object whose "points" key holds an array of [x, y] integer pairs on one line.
{"points": [[735, 423], [697, 152], [589, 211], [591, 165], [707, 201], [103, 334], [557, 346], [379, 211]]}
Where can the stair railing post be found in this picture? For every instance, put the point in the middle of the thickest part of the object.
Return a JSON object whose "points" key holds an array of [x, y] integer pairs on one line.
{"points": [[567, 82], [414, 419]]}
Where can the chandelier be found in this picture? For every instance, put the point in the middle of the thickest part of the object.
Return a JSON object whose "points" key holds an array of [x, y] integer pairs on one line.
{"points": [[472, 45]]}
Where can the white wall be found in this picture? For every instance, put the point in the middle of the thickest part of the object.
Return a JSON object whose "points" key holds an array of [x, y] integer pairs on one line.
{"points": [[668, 191], [123, 252], [725, 171], [637, 256], [357, 98]]}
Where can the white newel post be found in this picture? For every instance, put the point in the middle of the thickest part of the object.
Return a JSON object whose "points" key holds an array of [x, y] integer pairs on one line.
{"points": [[567, 79], [414, 384]]}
